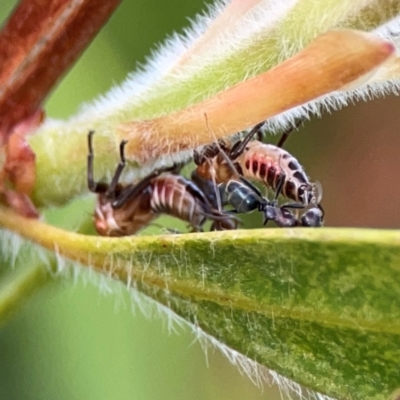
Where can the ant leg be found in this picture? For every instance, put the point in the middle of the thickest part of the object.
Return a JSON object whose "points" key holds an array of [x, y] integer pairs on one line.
{"points": [[271, 209], [240, 145], [285, 209], [121, 165], [232, 211], [295, 206], [287, 133]]}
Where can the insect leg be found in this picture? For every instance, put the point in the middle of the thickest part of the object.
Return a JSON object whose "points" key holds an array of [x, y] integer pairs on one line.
{"points": [[240, 145], [90, 179], [95, 187], [279, 186], [254, 188], [295, 206], [120, 167], [287, 133], [270, 208]]}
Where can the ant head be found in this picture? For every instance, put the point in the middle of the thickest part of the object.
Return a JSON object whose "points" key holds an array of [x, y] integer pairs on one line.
{"points": [[313, 217]]}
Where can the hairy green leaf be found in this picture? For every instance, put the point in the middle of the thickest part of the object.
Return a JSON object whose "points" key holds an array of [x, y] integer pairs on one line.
{"points": [[318, 306]]}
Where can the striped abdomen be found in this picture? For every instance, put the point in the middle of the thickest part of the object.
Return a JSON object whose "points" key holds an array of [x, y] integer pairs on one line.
{"points": [[267, 163], [178, 197]]}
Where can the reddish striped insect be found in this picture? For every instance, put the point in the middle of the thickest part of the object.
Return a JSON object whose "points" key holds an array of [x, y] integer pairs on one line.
{"points": [[124, 209], [241, 194], [266, 163]]}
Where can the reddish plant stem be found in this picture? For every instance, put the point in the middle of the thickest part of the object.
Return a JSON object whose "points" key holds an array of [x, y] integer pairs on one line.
{"points": [[39, 42]]}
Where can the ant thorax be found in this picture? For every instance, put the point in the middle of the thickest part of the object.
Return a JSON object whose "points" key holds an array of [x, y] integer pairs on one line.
{"points": [[126, 220]]}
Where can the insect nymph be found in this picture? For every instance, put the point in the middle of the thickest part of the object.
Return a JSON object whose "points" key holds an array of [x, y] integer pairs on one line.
{"points": [[245, 197], [124, 209]]}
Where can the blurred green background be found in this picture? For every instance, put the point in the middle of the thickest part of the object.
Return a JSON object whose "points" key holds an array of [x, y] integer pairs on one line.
{"points": [[73, 340]]}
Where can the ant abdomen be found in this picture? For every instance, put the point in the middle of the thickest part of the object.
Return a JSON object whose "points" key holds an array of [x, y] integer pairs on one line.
{"points": [[240, 196]]}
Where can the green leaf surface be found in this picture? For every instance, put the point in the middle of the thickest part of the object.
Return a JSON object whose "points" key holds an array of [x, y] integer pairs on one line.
{"points": [[318, 306]]}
